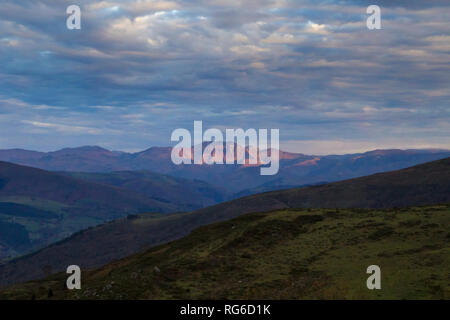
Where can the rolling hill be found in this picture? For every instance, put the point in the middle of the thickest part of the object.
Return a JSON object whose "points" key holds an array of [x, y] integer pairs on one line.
{"points": [[425, 184], [186, 194], [285, 254], [38, 207]]}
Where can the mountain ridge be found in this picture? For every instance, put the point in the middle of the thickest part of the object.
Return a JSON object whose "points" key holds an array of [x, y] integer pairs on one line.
{"points": [[296, 169]]}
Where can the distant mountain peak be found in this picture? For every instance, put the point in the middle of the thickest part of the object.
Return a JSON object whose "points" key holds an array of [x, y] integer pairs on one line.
{"points": [[85, 148]]}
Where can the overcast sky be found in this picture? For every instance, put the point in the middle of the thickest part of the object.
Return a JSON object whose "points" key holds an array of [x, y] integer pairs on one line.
{"points": [[137, 70]]}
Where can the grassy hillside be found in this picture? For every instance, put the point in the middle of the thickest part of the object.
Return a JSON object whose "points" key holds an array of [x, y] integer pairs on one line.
{"points": [[424, 184], [44, 207], [285, 254]]}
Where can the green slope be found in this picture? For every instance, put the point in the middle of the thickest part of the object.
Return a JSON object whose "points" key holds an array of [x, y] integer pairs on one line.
{"points": [[287, 254]]}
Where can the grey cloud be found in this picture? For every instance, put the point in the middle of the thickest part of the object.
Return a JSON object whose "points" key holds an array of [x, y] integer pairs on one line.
{"points": [[291, 64]]}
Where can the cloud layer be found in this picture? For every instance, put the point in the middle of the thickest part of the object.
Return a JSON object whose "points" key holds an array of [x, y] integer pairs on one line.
{"points": [[139, 69]]}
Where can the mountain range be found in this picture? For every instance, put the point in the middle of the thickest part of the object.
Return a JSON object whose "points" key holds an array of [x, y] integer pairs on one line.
{"points": [[425, 184], [296, 169]]}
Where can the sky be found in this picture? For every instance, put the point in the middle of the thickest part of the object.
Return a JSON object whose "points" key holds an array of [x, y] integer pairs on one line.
{"points": [[139, 69]]}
